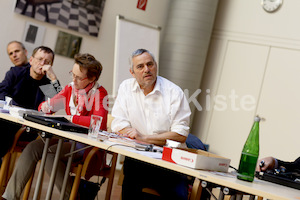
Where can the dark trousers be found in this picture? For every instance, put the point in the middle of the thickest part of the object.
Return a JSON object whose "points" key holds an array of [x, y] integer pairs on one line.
{"points": [[8, 131], [139, 175]]}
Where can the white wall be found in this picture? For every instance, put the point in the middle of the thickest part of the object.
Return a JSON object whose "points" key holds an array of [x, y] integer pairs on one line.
{"points": [[253, 53], [102, 47]]}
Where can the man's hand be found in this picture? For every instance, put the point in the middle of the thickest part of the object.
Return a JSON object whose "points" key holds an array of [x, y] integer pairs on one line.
{"points": [[132, 133], [157, 139], [47, 70], [265, 164]]}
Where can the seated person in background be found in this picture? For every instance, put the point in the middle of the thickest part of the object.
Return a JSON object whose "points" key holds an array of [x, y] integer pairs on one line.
{"points": [[270, 163], [22, 84], [81, 98], [17, 53], [152, 109]]}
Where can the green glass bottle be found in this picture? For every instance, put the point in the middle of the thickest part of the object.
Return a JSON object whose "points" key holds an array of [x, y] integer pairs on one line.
{"points": [[250, 154]]}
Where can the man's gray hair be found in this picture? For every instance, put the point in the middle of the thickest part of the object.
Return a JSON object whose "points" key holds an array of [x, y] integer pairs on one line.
{"points": [[139, 52], [15, 41]]}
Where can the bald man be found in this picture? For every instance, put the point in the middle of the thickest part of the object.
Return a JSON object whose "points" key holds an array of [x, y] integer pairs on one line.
{"points": [[17, 53]]}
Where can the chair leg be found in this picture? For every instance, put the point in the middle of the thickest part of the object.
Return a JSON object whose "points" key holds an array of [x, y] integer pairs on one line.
{"points": [[24, 9], [121, 177], [3, 170], [196, 190], [46, 13], [33, 11], [111, 176], [40, 190], [76, 183], [29, 182]]}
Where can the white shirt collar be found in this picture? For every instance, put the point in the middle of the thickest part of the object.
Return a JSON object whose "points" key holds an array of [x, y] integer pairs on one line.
{"points": [[158, 87]]}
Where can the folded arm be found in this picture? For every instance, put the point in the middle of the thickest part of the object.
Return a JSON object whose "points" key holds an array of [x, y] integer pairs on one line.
{"points": [[157, 139]]}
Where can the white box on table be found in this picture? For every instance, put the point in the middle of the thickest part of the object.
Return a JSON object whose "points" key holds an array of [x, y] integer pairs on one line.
{"points": [[196, 159]]}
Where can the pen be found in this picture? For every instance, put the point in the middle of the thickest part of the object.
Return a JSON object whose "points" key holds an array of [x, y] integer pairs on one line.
{"points": [[48, 102], [261, 164]]}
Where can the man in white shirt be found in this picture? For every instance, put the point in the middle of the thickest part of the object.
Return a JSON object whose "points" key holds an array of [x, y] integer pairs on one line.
{"points": [[151, 109]]}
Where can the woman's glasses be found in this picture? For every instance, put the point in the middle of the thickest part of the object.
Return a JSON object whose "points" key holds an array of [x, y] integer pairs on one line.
{"points": [[77, 78]]}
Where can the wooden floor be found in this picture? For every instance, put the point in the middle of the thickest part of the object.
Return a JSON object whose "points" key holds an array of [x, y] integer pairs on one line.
{"points": [[116, 192]]}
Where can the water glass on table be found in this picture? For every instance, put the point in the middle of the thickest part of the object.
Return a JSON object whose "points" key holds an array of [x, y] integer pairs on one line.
{"points": [[95, 125]]}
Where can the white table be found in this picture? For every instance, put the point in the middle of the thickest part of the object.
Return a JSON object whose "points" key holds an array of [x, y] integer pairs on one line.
{"points": [[258, 187]]}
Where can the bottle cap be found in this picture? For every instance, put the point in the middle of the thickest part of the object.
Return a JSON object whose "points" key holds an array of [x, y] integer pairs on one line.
{"points": [[257, 118]]}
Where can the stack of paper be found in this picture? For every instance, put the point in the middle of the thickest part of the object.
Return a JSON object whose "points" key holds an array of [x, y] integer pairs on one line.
{"points": [[2, 103], [19, 112], [2, 110]]}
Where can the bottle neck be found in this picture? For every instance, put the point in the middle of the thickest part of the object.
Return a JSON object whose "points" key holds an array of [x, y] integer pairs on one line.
{"points": [[252, 143]]}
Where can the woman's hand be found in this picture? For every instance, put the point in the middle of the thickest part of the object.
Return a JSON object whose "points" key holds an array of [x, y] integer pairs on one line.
{"points": [[46, 108]]}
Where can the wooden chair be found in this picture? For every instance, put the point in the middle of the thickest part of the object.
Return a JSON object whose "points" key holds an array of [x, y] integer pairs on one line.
{"points": [[90, 166], [9, 160]]}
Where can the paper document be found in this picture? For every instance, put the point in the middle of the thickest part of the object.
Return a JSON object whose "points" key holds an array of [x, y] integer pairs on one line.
{"points": [[19, 112], [136, 144], [2, 103], [2, 110]]}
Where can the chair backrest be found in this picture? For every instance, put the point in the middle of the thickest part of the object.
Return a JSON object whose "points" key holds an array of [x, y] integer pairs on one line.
{"points": [[194, 142], [109, 121]]}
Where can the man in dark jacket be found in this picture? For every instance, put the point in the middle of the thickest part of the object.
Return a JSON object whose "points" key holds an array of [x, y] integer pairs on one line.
{"points": [[17, 53], [27, 86], [269, 163]]}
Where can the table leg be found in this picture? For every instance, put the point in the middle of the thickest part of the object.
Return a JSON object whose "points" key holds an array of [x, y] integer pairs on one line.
{"points": [[62, 192], [252, 197], [54, 169], [41, 170]]}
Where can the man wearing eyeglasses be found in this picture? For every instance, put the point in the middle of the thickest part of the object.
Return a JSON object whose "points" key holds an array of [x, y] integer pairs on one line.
{"points": [[28, 86], [151, 109]]}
